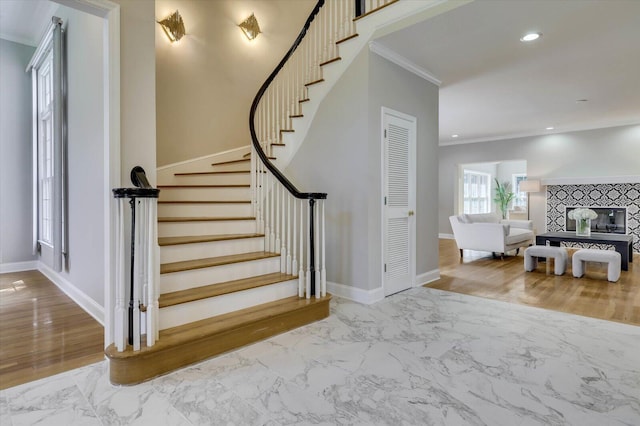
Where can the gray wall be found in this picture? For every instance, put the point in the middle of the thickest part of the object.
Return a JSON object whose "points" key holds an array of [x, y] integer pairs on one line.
{"points": [[611, 151], [342, 156], [15, 153]]}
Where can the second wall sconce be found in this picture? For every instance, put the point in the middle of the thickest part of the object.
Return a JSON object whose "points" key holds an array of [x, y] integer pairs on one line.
{"points": [[173, 26], [250, 27]]}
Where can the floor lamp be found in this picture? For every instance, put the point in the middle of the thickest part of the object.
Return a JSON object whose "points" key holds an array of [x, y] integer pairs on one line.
{"points": [[529, 186]]}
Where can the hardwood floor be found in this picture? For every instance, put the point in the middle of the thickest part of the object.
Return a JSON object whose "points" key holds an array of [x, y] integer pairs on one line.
{"points": [[478, 274], [43, 332]]}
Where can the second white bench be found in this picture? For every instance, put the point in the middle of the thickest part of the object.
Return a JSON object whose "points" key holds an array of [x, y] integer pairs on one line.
{"points": [[559, 254]]}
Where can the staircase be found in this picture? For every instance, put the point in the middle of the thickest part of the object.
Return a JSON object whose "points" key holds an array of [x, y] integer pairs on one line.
{"points": [[241, 249]]}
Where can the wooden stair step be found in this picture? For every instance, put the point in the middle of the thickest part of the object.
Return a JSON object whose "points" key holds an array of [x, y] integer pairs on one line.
{"points": [[186, 344], [208, 262], [347, 38], [204, 201], [191, 239], [213, 290], [330, 61], [211, 173], [239, 185], [278, 144], [296, 116], [304, 100], [242, 160], [203, 219], [314, 82]]}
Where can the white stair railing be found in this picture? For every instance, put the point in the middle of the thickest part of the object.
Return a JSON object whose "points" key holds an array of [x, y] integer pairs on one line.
{"points": [[129, 322]]}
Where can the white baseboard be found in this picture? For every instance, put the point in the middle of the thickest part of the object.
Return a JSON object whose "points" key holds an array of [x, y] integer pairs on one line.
{"points": [[427, 277], [446, 236], [18, 266], [356, 294], [84, 301]]}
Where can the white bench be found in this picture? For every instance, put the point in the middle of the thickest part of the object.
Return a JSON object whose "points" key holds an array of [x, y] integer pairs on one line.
{"points": [[559, 254], [610, 257]]}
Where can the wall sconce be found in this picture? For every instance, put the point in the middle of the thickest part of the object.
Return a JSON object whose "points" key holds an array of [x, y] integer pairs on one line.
{"points": [[173, 26], [250, 27]]}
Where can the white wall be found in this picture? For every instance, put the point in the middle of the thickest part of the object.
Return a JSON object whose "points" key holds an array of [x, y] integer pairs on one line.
{"points": [[611, 151], [207, 81], [342, 156], [85, 264], [15, 154]]}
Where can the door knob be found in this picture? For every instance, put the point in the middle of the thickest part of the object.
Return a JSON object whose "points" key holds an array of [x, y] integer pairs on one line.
{"points": [[411, 213]]}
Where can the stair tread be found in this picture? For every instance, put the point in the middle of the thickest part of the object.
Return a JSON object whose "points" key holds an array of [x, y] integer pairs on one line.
{"points": [[347, 38], [314, 82], [178, 336], [242, 160], [208, 262], [224, 172], [238, 185], [204, 201], [330, 61], [204, 218], [213, 290], [190, 239]]}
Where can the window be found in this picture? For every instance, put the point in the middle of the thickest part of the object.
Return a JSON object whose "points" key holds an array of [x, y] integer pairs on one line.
{"points": [[520, 198], [477, 192], [45, 149]]}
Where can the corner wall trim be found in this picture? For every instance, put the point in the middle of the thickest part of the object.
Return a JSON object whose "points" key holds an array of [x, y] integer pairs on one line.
{"points": [[446, 236], [403, 62], [427, 277], [356, 294], [84, 301], [18, 266]]}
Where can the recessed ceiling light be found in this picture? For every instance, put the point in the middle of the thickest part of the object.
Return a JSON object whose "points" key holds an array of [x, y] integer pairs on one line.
{"points": [[530, 37], [550, 128], [454, 136]]}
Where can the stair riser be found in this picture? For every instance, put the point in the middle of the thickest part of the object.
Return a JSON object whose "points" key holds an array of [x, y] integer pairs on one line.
{"points": [[220, 179], [182, 252], [205, 210], [176, 315], [177, 281], [222, 227], [197, 194]]}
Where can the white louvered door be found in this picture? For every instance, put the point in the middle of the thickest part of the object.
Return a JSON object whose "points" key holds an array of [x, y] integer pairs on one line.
{"points": [[399, 203]]}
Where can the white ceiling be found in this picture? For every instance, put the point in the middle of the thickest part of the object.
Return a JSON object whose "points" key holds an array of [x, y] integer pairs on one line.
{"points": [[24, 21], [493, 85], [496, 87]]}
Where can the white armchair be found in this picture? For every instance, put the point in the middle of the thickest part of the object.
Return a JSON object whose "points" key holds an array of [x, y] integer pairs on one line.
{"points": [[487, 232]]}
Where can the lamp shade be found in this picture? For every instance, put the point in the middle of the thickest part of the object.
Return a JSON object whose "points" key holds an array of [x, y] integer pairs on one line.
{"points": [[532, 185]]}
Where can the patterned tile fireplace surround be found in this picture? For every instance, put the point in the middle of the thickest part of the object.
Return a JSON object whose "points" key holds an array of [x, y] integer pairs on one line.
{"points": [[595, 195]]}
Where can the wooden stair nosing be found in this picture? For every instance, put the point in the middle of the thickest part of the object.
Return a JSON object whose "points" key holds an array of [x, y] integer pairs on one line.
{"points": [[314, 82], [347, 38], [209, 262], [330, 61], [204, 201], [224, 172], [296, 116], [364, 15], [219, 289], [242, 160], [304, 100], [169, 219], [278, 144], [287, 130], [193, 239], [232, 185], [186, 344]]}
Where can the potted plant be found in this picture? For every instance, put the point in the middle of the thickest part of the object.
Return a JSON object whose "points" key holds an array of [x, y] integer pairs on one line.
{"points": [[504, 196]]}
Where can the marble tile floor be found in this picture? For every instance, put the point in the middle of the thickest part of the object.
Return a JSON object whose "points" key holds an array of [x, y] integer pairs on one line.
{"points": [[421, 357]]}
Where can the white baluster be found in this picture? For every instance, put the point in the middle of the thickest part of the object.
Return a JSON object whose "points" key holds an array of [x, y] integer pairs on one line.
{"points": [[120, 313], [152, 298], [136, 283], [308, 286], [272, 218], [267, 212], [289, 225], [254, 187], [301, 278], [283, 249], [260, 197], [294, 259], [276, 188], [323, 270]]}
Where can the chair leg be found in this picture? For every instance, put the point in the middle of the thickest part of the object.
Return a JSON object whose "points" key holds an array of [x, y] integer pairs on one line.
{"points": [[517, 251], [460, 253]]}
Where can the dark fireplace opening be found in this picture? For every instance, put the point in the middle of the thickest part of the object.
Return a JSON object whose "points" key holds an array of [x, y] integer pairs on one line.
{"points": [[611, 220]]}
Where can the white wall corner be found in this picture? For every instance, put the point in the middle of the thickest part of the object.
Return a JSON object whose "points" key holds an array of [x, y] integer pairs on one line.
{"points": [[18, 266], [403, 62], [427, 277], [356, 294], [84, 301], [446, 236]]}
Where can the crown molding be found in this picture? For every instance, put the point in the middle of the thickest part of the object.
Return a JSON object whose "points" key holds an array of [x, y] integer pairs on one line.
{"points": [[590, 180], [403, 62]]}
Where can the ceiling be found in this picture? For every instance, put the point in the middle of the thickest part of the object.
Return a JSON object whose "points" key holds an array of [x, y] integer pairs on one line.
{"points": [[493, 85]]}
